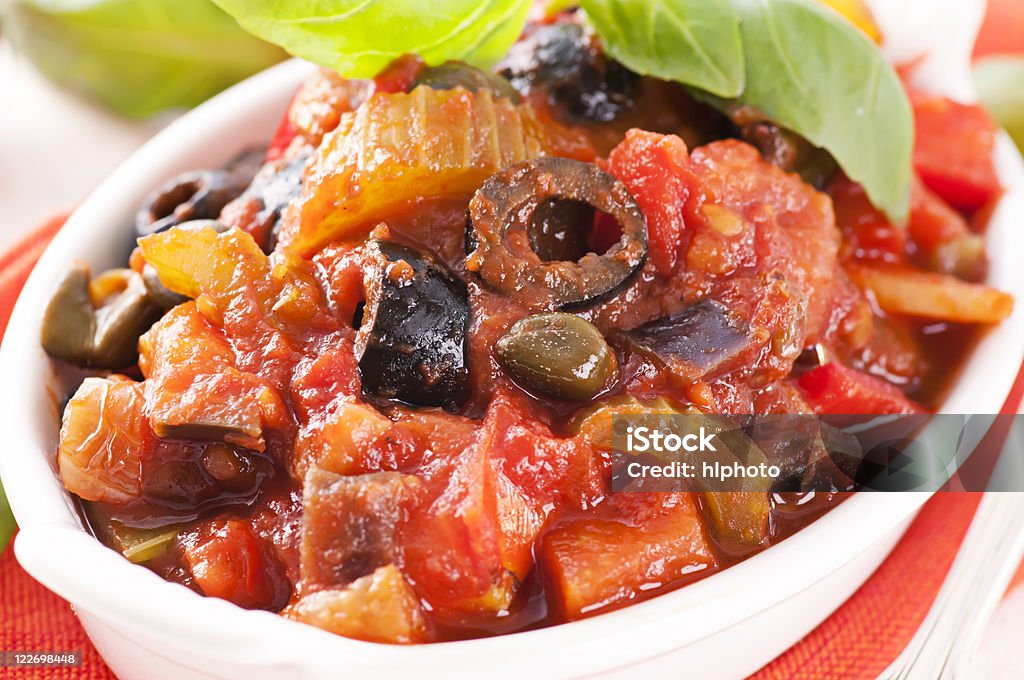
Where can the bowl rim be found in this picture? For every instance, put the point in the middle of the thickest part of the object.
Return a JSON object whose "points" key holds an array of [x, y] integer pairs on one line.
{"points": [[100, 581]]}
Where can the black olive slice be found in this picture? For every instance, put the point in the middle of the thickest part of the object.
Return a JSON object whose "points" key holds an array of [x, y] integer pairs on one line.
{"points": [[520, 229], [565, 61], [411, 344], [196, 195]]}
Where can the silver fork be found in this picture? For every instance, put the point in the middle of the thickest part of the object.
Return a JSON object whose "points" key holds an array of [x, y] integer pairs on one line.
{"points": [[949, 635]]}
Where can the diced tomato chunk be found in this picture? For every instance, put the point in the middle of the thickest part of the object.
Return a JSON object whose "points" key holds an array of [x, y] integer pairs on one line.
{"points": [[457, 551], [228, 561], [836, 389], [656, 170], [954, 150], [868, 233], [399, 75], [637, 543], [379, 607], [282, 138]]}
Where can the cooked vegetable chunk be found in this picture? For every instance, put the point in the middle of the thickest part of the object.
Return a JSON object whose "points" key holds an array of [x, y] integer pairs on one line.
{"points": [[702, 341], [636, 543], [98, 333], [379, 607], [400, 148], [933, 296], [228, 560], [834, 388], [412, 336], [351, 524], [103, 440], [194, 390]]}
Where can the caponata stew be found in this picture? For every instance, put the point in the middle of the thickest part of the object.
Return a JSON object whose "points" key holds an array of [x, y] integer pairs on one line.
{"points": [[364, 378]]}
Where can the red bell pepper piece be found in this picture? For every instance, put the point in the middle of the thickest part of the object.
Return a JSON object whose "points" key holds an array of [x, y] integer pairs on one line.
{"points": [[836, 389], [954, 151]]}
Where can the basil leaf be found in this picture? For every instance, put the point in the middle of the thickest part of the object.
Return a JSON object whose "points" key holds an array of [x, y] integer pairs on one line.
{"points": [[812, 72], [137, 57], [796, 62], [6, 520], [695, 42], [358, 38]]}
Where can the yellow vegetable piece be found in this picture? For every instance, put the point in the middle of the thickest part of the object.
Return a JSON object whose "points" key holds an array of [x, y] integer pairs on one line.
{"points": [[400, 148], [933, 296], [859, 15], [195, 260]]}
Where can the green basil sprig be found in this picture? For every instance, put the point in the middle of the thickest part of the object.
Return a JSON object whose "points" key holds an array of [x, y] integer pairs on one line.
{"points": [[358, 38], [797, 62], [138, 57]]}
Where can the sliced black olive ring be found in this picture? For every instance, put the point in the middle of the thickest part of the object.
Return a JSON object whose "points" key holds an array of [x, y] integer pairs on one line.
{"points": [[197, 195], [527, 233]]}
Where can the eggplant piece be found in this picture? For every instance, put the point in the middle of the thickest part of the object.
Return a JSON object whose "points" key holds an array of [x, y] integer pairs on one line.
{"points": [[702, 341], [411, 344], [196, 195], [351, 523], [527, 232], [566, 61]]}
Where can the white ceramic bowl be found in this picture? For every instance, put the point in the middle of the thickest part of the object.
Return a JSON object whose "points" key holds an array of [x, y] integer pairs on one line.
{"points": [[725, 626]]}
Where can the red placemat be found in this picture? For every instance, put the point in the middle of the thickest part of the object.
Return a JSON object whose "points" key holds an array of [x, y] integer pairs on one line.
{"points": [[857, 641]]}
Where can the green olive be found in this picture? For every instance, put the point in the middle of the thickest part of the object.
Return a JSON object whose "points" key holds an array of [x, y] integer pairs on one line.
{"points": [[69, 321], [559, 355], [75, 331], [120, 324]]}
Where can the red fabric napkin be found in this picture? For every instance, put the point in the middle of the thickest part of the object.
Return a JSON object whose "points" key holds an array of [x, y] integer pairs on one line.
{"points": [[857, 641]]}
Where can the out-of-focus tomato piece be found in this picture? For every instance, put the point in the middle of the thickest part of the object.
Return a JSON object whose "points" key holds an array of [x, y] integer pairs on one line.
{"points": [[379, 607], [636, 544], [399, 75], [945, 243], [656, 170], [317, 107], [868, 233], [104, 438], [936, 236], [954, 150], [227, 560], [1002, 33], [836, 389]]}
